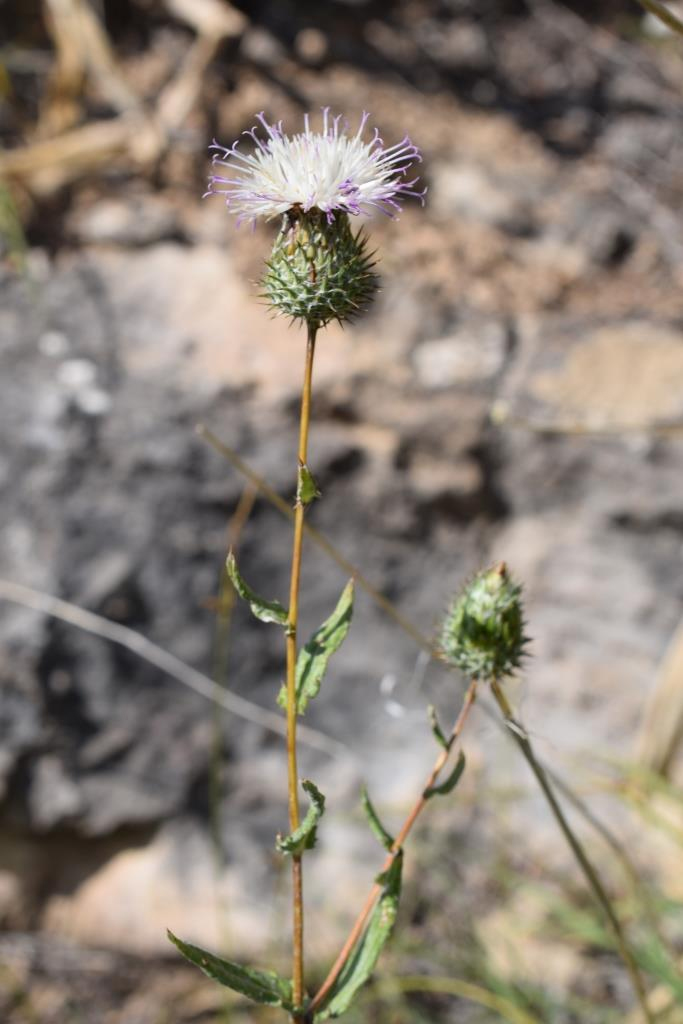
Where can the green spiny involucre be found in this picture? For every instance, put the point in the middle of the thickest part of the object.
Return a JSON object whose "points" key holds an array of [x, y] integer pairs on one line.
{"points": [[319, 269], [483, 632]]}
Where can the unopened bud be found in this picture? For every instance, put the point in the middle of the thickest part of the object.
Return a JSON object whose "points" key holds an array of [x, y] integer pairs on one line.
{"points": [[483, 632]]}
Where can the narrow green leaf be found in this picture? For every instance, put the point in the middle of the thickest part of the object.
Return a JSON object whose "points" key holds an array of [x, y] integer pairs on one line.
{"points": [[306, 489], [451, 782], [365, 954], [305, 836], [436, 728], [266, 611], [311, 664], [375, 824], [260, 986]]}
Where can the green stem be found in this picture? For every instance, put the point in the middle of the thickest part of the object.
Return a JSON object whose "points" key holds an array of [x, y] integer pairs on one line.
{"points": [[589, 872], [291, 648]]}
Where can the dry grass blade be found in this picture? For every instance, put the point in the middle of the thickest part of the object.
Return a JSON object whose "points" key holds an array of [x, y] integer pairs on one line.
{"points": [[318, 538], [462, 990], [47, 165], [663, 14], [155, 655], [215, 19], [82, 48], [661, 734], [183, 91], [65, 153]]}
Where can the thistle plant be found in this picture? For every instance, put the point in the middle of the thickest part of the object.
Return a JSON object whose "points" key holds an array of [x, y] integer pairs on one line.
{"points": [[320, 270]]}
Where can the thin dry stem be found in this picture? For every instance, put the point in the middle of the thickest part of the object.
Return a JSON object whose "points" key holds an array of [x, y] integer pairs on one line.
{"points": [[137, 644], [397, 845]]}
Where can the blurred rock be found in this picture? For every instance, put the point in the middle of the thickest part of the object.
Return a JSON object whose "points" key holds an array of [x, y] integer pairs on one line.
{"points": [[54, 798], [474, 354], [467, 190], [620, 376], [134, 221], [261, 47], [311, 45]]}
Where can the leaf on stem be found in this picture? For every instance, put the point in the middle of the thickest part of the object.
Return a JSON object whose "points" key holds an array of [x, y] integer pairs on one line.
{"points": [[449, 784], [266, 611], [375, 824], [311, 664], [439, 735], [365, 954], [306, 487], [264, 987], [303, 838]]}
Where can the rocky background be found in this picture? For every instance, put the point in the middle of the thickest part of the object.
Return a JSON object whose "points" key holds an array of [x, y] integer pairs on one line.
{"points": [[516, 392]]}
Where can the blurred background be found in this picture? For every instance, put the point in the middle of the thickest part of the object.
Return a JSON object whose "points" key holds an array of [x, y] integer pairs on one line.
{"points": [[515, 392]]}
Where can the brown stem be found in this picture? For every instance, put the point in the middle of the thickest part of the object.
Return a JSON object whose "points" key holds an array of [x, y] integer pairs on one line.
{"points": [[398, 843], [291, 648], [577, 849]]}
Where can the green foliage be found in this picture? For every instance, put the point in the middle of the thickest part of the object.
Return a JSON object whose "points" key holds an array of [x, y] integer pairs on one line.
{"points": [[311, 663], [650, 952], [363, 958], [319, 270], [266, 611], [375, 824], [483, 632], [438, 732], [449, 784], [260, 986], [304, 837], [306, 489]]}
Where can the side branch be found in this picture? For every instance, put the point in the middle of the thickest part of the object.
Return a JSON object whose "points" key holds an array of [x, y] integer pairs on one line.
{"points": [[397, 845]]}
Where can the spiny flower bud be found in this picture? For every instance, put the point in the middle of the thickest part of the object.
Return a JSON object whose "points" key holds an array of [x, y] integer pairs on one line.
{"points": [[319, 270], [483, 632]]}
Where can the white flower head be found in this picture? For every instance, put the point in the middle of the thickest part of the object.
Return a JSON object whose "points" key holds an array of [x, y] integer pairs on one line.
{"points": [[331, 170]]}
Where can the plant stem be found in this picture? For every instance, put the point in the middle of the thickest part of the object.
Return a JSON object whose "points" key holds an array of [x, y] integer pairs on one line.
{"points": [[291, 648], [589, 872], [664, 14], [398, 843]]}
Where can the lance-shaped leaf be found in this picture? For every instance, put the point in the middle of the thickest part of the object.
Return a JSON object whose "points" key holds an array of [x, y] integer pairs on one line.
{"points": [[365, 954], [449, 784], [303, 838], [260, 986], [311, 664], [266, 611], [375, 824], [306, 488], [436, 728]]}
